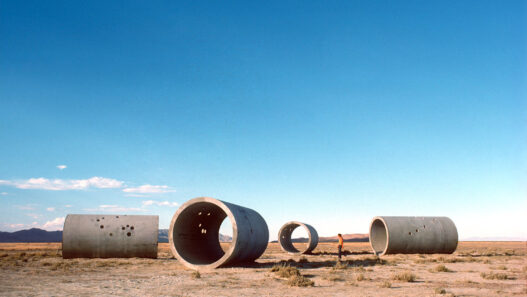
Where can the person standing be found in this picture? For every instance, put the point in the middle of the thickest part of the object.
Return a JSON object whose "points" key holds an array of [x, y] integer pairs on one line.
{"points": [[341, 244]]}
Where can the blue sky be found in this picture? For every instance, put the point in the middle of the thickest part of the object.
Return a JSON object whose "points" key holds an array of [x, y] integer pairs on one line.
{"points": [[327, 113]]}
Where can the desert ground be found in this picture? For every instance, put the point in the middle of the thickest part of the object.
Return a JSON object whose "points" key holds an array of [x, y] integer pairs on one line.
{"points": [[475, 269]]}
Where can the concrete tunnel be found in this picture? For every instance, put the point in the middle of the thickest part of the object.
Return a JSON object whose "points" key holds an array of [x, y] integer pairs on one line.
{"points": [[110, 236], [286, 243], [413, 235], [194, 234]]}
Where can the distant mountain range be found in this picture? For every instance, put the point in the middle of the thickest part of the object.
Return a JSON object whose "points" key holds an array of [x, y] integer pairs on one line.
{"points": [[347, 238], [31, 235], [39, 235]]}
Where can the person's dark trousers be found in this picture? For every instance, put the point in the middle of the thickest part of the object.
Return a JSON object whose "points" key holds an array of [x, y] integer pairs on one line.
{"points": [[340, 251]]}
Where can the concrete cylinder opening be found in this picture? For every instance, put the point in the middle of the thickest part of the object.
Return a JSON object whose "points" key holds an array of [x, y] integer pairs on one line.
{"points": [[286, 242], [413, 235], [378, 236], [194, 234]]}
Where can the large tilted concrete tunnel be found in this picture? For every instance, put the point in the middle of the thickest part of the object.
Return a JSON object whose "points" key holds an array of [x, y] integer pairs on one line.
{"points": [[413, 235], [194, 234], [110, 236], [285, 233]]}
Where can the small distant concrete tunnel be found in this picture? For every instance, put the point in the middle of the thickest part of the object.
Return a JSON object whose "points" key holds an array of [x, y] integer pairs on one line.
{"points": [[286, 243], [413, 235], [194, 234], [110, 236]]}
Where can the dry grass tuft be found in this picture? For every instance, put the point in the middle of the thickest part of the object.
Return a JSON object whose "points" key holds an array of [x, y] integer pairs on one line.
{"points": [[360, 277], [303, 259], [285, 271], [492, 275], [440, 291], [440, 268], [293, 275], [385, 284], [406, 276], [500, 267], [300, 281], [195, 274], [340, 265]]}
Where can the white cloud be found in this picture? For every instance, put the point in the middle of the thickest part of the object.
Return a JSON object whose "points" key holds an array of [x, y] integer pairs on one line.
{"points": [[50, 209], [16, 226], [149, 189], [33, 215], [114, 208], [25, 207], [160, 203], [67, 205], [61, 167], [42, 183], [55, 224]]}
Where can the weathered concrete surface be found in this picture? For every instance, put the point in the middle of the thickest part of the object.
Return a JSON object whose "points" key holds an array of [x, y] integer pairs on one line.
{"points": [[413, 235], [194, 232], [284, 237], [110, 236]]}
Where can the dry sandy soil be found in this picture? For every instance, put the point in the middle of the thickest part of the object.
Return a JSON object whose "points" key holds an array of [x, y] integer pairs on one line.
{"points": [[475, 269]]}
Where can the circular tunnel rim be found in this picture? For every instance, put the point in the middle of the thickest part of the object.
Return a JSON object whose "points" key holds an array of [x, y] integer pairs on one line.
{"points": [[299, 224], [381, 219], [227, 254]]}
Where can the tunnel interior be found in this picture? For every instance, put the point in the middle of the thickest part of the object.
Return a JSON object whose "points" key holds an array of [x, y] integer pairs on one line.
{"points": [[286, 240], [378, 236], [196, 233]]}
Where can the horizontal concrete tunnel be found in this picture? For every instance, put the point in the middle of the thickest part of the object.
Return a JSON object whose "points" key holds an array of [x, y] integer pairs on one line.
{"points": [[286, 243], [194, 234], [413, 235], [110, 236]]}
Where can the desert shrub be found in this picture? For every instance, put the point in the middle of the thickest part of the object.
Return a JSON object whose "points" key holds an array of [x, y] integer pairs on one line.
{"points": [[303, 259], [440, 268], [386, 284], [404, 276], [340, 265], [333, 278], [501, 267], [4, 255], [285, 271], [425, 261], [195, 274], [358, 269], [492, 275], [360, 277], [300, 281], [440, 291]]}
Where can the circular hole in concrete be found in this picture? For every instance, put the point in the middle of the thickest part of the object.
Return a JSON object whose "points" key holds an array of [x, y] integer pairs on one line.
{"points": [[132, 228], [102, 226], [225, 236], [378, 236], [116, 217], [300, 238], [416, 230], [128, 234], [111, 234], [409, 233], [122, 228], [98, 220], [201, 246], [127, 226]]}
